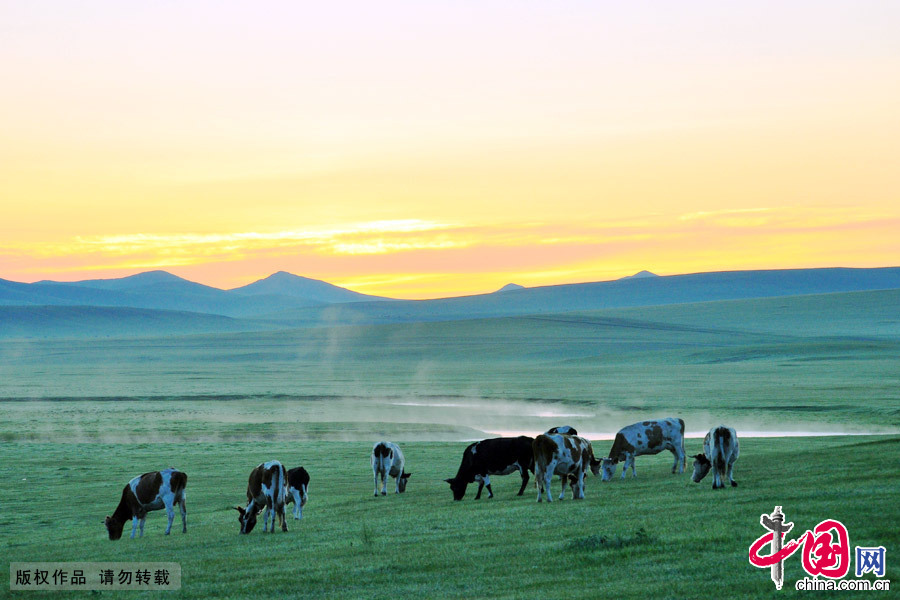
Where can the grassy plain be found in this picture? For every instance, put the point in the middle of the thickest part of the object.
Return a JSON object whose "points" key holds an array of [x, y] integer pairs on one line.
{"points": [[78, 418], [657, 536]]}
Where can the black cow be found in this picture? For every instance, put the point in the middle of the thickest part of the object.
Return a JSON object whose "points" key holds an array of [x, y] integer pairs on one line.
{"points": [[563, 429], [497, 456], [298, 483]]}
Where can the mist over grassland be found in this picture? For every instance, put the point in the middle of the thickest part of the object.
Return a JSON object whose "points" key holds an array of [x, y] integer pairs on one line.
{"points": [[826, 363]]}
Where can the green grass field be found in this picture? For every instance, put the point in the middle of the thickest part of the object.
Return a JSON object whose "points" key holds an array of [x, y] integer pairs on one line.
{"points": [[79, 418], [658, 535]]}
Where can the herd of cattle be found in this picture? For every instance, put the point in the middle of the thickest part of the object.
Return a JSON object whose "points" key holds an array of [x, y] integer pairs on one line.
{"points": [[559, 451]]}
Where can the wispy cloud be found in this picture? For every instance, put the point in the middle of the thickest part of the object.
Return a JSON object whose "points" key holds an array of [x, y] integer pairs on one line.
{"points": [[425, 258], [719, 214]]}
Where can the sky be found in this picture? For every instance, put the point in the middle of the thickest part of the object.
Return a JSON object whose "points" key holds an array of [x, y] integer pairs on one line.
{"points": [[441, 148]]}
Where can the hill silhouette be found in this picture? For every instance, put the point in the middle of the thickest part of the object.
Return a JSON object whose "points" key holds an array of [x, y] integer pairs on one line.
{"points": [[283, 283], [284, 300]]}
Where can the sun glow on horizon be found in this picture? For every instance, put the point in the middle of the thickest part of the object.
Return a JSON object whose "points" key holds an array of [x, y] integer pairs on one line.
{"points": [[438, 149]]}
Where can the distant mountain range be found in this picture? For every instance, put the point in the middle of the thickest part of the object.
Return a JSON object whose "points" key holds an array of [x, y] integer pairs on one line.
{"points": [[163, 291], [130, 305]]}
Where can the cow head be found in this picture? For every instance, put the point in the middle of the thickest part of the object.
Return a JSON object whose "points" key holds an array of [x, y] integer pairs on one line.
{"points": [[608, 466], [596, 466], [247, 518], [114, 528], [401, 481], [458, 487], [701, 468]]}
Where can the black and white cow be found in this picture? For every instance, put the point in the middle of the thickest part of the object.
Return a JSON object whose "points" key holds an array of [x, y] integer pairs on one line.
{"points": [[298, 484], [150, 491], [266, 490], [388, 459], [568, 456], [496, 456], [564, 429], [720, 451], [646, 437]]}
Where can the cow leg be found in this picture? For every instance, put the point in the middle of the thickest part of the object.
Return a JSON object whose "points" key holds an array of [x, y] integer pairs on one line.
{"points": [[542, 483], [183, 515], [578, 488], [384, 477], [679, 460], [631, 459], [524, 481], [170, 515], [283, 518], [487, 484], [731, 474], [134, 524], [480, 481], [565, 480], [296, 494], [143, 520], [548, 477]]}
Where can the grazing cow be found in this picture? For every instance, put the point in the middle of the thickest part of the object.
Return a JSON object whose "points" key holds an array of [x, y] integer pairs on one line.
{"points": [[387, 459], [266, 489], [568, 456], [720, 451], [298, 483], [646, 437], [150, 491], [497, 456], [565, 429]]}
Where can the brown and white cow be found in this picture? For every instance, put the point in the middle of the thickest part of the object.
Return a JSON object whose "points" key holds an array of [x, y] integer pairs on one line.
{"points": [[150, 491], [568, 456], [388, 459], [266, 490], [720, 451], [298, 484], [646, 437]]}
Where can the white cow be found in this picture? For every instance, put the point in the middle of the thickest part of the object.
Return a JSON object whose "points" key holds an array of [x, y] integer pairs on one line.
{"points": [[646, 437], [388, 459], [720, 451], [568, 456]]}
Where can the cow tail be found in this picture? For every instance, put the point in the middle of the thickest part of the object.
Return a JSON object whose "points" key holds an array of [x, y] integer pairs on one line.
{"points": [[720, 443], [281, 486]]}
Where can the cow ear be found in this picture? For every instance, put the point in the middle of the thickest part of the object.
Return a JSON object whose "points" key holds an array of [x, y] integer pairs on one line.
{"points": [[406, 475], [450, 481], [239, 509]]}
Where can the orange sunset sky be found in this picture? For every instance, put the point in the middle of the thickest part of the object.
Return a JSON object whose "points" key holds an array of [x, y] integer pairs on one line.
{"points": [[431, 148]]}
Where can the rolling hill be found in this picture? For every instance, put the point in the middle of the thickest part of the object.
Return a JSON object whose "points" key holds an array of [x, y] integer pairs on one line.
{"points": [[152, 290], [294, 286], [623, 293], [288, 301], [45, 322]]}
